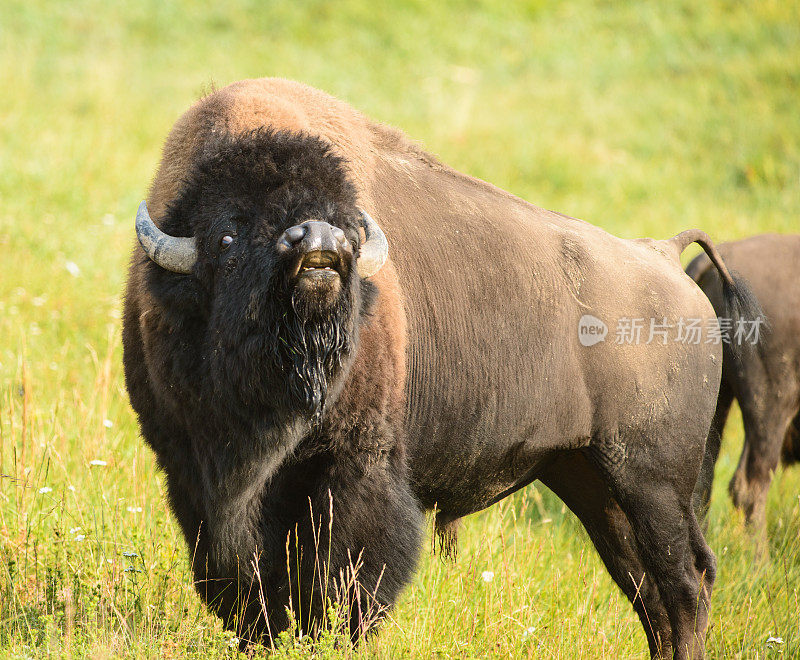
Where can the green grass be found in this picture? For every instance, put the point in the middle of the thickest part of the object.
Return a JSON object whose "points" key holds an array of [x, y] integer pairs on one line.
{"points": [[644, 118]]}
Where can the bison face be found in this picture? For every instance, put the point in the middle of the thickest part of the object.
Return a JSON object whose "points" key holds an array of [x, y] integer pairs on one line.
{"points": [[265, 271]]}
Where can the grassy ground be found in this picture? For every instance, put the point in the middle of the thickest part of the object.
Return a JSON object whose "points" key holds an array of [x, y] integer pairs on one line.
{"points": [[643, 118]]}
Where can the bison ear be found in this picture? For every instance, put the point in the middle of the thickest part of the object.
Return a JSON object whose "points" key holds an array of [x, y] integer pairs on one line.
{"points": [[175, 253], [375, 248]]}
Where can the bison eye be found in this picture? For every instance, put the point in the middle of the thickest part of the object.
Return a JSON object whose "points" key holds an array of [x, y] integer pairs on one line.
{"points": [[226, 241]]}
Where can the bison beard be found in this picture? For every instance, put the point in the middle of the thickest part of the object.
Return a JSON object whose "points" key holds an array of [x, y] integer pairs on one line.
{"points": [[314, 343]]}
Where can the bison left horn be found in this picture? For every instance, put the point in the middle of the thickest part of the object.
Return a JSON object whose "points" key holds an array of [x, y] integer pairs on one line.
{"points": [[175, 253], [375, 249]]}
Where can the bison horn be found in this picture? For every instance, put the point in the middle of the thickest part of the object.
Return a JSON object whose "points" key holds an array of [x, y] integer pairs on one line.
{"points": [[174, 253], [375, 249]]}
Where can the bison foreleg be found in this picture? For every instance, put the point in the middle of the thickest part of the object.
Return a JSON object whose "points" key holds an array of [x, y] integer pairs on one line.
{"points": [[358, 546]]}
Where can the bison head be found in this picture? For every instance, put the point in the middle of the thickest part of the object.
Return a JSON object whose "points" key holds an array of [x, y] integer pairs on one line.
{"points": [[261, 266]]}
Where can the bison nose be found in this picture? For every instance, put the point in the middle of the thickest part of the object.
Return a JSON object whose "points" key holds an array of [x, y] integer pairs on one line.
{"points": [[313, 236]]}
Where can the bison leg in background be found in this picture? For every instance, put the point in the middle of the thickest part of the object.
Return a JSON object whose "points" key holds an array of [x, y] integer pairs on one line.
{"points": [[578, 483], [702, 494], [653, 484], [791, 446], [767, 414]]}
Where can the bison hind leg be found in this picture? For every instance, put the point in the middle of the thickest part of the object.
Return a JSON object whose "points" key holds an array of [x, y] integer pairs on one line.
{"points": [[577, 480], [654, 487], [768, 418]]}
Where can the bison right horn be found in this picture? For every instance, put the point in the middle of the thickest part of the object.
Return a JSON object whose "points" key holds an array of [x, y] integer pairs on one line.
{"points": [[175, 253], [375, 249]]}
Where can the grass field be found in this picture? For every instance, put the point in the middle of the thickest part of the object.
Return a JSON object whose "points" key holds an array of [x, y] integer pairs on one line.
{"points": [[644, 118]]}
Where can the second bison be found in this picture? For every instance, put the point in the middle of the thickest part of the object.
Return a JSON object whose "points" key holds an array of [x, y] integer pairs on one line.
{"points": [[765, 381]]}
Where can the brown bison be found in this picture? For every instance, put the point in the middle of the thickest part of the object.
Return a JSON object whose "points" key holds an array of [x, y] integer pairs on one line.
{"points": [[309, 398], [765, 382]]}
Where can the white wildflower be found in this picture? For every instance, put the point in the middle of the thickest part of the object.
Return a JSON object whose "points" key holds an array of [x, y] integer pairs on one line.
{"points": [[487, 576], [80, 537], [234, 642], [134, 509], [71, 488], [98, 463], [774, 640], [108, 423], [528, 632], [74, 530], [45, 489], [72, 268]]}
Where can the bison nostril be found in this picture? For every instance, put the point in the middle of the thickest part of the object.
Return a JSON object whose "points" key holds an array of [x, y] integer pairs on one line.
{"points": [[313, 235], [291, 236], [294, 234]]}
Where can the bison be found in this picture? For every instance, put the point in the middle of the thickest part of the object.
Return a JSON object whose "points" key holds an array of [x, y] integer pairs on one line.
{"points": [[765, 382], [310, 395]]}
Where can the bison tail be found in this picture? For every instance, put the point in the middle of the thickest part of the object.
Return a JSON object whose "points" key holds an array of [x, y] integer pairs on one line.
{"points": [[741, 308]]}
